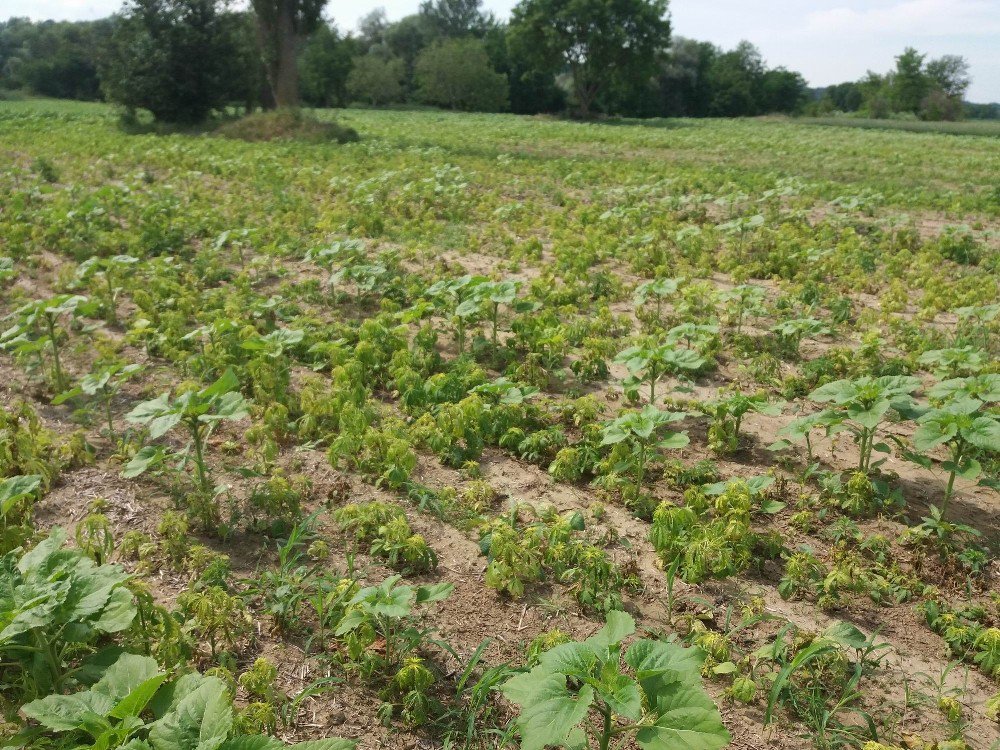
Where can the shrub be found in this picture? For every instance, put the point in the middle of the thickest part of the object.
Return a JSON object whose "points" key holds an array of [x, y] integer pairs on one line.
{"points": [[456, 74]]}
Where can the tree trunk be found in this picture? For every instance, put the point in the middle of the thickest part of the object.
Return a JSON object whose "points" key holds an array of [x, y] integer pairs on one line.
{"points": [[286, 84], [280, 44]]}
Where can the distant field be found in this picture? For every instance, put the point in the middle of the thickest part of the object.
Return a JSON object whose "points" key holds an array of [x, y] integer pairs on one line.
{"points": [[968, 127], [360, 432]]}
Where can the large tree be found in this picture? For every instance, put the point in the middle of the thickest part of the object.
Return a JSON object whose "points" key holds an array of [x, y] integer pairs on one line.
{"points": [[376, 79], [598, 42], [736, 80], [909, 82], [282, 26], [324, 65], [455, 18], [950, 73], [176, 58], [456, 73]]}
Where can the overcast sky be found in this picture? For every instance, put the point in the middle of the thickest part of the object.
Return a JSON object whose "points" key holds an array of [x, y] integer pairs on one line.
{"points": [[828, 41]]}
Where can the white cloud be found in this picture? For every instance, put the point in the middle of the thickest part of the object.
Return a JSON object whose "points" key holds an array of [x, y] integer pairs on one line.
{"points": [[913, 18]]}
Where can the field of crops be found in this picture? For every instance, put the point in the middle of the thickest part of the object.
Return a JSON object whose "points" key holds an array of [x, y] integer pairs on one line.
{"points": [[488, 430]]}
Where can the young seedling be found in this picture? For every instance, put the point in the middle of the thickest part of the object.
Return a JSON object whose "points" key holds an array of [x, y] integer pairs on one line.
{"points": [[741, 301], [642, 431], [579, 695], [648, 363], [964, 429], [197, 411], [658, 289], [110, 270], [496, 293], [460, 300], [727, 414], [17, 496], [741, 227], [386, 611], [800, 430], [961, 360], [862, 404], [334, 256], [791, 332], [696, 336], [102, 386], [977, 319], [40, 326]]}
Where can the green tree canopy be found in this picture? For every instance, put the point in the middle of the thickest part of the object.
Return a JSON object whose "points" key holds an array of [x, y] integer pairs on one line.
{"points": [[456, 73], [376, 79], [597, 42], [324, 65], [175, 58]]}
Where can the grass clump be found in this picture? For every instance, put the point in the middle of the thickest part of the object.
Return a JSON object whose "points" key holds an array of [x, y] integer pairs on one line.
{"points": [[286, 124]]}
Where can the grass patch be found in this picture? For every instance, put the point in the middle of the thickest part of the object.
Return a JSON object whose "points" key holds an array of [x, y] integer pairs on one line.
{"points": [[286, 125], [969, 127]]}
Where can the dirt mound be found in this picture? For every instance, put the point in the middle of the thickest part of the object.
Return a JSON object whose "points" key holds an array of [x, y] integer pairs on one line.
{"points": [[286, 125]]}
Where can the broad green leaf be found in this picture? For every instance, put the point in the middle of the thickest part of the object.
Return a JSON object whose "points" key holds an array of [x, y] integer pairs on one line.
{"points": [[434, 593], [968, 469], [727, 667], [846, 634], [64, 713], [578, 659], [146, 458], [622, 696], [118, 612], [16, 488], [252, 742], [161, 425], [549, 712], [332, 743], [126, 675], [984, 433], [932, 433], [134, 703], [674, 440], [226, 383], [653, 658], [617, 627], [200, 720], [148, 410], [687, 719]]}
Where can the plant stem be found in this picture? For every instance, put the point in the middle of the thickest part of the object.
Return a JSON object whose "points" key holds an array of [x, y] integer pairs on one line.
{"points": [[112, 308], [956, 457], [196, 438], [605, 739], [641, 472], [56, 366], [107, 412]]}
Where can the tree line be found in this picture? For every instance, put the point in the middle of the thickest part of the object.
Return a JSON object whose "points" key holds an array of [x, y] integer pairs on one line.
{"points": [[918, 87], [185, 59]]}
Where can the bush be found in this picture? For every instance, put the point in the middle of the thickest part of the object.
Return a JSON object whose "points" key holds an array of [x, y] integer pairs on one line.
{"points": [[286, 125], [457, 74], [174, 58], [376, 80]]}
